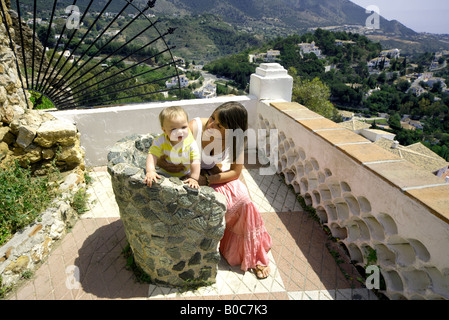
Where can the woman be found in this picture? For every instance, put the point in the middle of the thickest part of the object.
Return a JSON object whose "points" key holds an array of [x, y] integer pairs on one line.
{"points": [[245, 241]]}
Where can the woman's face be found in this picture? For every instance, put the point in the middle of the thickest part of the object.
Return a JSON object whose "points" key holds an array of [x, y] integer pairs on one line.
{"points": [[214, 124]]}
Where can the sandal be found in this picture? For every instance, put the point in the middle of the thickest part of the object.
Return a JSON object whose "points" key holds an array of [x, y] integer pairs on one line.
{"points": [[259, 272]]}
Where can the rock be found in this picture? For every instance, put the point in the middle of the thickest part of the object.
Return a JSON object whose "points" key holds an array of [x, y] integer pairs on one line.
{"points": [[31, 119], [20, 265], [48, 154], [39, 138], [168, 226], [6, 135], [33, 153], [71, 156], [4, 150], [55, 132], [6, 114], [70, 182], [7, 16], [35, 230], [3, 95]]}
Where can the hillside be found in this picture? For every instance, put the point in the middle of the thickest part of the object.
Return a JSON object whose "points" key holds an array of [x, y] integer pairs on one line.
{"points": [[288, 14], [208, 29]]}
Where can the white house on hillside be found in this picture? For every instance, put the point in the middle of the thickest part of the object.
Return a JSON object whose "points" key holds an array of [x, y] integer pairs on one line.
{"points": [[310, 48], [207, 92], [344, 42], [269, 56], [376, 62], [392, 54], [173, 82]]}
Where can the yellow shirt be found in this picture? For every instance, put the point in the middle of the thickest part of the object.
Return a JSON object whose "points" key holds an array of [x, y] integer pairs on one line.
{"points": [[182, 153]]}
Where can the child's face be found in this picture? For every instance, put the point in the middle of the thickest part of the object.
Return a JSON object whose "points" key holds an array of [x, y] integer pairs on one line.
{"points": [[177, 129]]}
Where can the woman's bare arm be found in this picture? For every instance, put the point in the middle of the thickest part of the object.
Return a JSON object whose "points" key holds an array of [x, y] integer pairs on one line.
{"points": [[222, 177], [167, 166]]}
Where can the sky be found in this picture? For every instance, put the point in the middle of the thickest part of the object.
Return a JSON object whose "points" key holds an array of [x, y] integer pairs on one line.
{"points": [[419, 15]]}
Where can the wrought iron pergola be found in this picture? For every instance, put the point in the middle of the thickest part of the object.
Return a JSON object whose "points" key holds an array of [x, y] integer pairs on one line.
{"points": [[93, 52]]}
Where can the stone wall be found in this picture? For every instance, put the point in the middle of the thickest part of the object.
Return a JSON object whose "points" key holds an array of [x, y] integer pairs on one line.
{"points": [[31, 245], [37, 139], [173, 230], [12, 98], [31, 137]]}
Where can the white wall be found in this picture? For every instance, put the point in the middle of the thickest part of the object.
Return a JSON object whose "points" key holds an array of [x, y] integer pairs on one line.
{"points": [[364, 209], [101, 128]]}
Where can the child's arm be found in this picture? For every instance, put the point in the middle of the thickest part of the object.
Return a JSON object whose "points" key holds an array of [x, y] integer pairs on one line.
{"points": [[195, 169], [151, 170]]}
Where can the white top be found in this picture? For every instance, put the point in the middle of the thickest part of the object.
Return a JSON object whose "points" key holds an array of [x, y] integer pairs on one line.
{"points": [[208, 161]]}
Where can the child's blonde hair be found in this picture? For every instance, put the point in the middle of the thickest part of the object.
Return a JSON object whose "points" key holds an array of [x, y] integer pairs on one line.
{"points": [[171, 113]]}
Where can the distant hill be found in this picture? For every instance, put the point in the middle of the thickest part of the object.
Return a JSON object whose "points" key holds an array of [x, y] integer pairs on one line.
{"points": [[288, 14], [271, 18], [213, 25]]}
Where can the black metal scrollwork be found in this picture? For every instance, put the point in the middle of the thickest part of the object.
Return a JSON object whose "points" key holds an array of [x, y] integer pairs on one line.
{"points": [[102, 55]]}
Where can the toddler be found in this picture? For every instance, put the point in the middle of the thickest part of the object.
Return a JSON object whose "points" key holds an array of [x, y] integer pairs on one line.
{"points": [[178, 144]]}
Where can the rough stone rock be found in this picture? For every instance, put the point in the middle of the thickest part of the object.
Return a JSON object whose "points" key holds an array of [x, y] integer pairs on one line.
{"points": [[30, 118], [36, 137], [71, 156], [55, 132], [3, 95], [20, 265], [4, 150], [6, 135], [173, 231], [26, 136]]}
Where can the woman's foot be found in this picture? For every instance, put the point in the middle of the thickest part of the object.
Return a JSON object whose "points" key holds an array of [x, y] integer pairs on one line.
{"points": [[262, 272]]}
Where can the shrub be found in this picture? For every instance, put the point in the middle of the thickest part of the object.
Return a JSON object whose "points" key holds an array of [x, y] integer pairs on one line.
{"points": [[22, 199]]}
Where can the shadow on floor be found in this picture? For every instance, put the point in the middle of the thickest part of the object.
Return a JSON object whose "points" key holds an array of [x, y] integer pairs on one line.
{"points": [[306, 256], [102, 265]]}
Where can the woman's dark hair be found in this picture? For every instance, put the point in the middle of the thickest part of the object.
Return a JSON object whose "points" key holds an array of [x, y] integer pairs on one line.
{"points": [[233, 115]]}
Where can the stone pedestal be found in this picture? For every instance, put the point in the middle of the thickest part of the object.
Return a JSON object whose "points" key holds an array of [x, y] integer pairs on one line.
{"points": [[271, 81], [173, 230]]}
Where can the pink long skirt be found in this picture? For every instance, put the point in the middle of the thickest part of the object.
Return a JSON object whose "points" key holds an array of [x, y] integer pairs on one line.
{"points": [[246, 241]]}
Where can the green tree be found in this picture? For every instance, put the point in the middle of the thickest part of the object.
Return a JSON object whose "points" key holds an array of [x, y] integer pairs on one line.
{"points": [[395, 122], [314, 95]]}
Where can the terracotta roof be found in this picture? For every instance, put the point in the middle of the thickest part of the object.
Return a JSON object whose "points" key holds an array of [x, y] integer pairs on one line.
{"points": [[417, 154], [354, 125]]}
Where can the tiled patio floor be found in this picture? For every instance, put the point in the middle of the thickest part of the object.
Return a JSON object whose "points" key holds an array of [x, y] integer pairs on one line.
{"points": [[88, 263]]}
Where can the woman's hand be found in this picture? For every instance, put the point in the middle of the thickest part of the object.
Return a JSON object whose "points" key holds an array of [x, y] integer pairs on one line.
{"points": [[202, 180], [167, 166]]}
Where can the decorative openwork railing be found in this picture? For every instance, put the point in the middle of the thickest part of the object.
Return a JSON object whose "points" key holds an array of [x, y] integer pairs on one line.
{"points": [[92, 52]]}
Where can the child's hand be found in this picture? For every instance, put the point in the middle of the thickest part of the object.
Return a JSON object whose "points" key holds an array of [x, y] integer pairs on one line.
{"points": [[150, 177], [192, 183]]}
